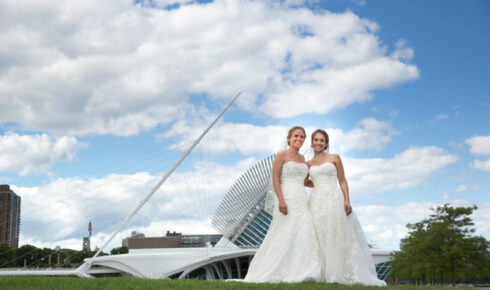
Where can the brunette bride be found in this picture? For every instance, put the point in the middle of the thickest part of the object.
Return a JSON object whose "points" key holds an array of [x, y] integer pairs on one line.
{"points": [[289, 252], [344, 251]]}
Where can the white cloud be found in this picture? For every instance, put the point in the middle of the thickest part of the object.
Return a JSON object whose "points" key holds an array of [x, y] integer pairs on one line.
{"points": [[359, 2], [164, 3], [402, 51], [386, 225], [479, 145], [34, 154], [438, 118], [370, 134], [226, 137], [460, 189], [482, 220], [481, 164], [407, 169], [79, 67], [58, 213]]}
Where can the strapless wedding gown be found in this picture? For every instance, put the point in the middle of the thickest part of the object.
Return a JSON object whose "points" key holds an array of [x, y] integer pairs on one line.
{"points": [[290, 251], [344, 250]]}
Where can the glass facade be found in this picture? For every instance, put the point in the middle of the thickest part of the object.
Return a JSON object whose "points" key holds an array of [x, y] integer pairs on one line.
{"points": [[383, 269], [254, 233]]}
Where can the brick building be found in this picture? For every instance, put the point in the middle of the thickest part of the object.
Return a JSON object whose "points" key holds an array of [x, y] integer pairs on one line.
{"points": [[9, 217]]}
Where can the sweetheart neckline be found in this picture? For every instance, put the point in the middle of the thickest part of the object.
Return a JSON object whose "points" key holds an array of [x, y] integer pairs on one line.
{"points": [[323, 164], [295, 162]]}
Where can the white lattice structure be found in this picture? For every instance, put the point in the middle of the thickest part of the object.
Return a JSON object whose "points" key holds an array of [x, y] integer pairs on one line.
{"points": [[241, 216]]}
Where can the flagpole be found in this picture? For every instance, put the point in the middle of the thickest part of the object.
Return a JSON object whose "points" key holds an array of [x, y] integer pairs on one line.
{"points": [[150, 194]]}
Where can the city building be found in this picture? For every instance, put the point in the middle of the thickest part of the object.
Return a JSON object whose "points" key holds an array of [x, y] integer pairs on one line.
{"points": [[171, 240], [9, 217]]}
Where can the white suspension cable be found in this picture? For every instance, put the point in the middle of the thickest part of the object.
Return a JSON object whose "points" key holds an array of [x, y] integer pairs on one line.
{"points": [[87, 265]]}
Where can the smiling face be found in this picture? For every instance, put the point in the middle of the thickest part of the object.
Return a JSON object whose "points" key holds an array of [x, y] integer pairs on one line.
{"points": [[296, 137], [319, 141]]}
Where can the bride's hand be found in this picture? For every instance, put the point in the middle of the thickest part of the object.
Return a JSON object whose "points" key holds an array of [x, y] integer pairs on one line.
{"points": [[283, 207], [347, 208]]}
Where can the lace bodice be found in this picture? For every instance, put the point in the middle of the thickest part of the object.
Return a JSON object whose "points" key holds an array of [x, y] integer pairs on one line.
{"points": [[293, 172], [324, 175]]}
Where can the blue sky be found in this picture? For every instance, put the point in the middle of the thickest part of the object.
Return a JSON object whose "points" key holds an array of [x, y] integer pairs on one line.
{"points": [[98, 102]]}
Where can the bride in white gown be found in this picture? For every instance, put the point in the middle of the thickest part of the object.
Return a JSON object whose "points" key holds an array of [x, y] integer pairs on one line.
{"points": [[344, 251], [289, 252]]}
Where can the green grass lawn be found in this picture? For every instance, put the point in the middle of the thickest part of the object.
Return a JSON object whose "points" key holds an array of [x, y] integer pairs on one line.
{"points": [[41, 282]]}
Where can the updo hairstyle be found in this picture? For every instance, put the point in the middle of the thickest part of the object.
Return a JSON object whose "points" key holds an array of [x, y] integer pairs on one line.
{"points": [[325, 135], [290, 133]]}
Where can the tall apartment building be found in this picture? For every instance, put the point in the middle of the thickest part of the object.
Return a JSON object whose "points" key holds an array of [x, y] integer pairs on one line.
{"points": [[9, 217]]}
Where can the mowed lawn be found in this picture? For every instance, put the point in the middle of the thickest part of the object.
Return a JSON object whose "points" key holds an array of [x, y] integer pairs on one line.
{"points": [[40, 282]]}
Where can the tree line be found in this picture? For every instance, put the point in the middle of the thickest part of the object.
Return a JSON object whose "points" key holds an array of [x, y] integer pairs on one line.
{"points": [[32, 257], [443, 249]]}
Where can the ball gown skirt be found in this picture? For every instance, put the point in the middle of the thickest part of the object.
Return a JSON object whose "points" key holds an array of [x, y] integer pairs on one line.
{"points": [[344, 251], [290, 250]]}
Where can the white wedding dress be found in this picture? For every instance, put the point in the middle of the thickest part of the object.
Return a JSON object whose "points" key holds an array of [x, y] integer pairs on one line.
{"points": [[344, 251], [289, 252]]}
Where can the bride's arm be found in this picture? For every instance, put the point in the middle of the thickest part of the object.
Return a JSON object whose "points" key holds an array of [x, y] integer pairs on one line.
{"points": [[276, 174], [308, 182], [343, 184]]}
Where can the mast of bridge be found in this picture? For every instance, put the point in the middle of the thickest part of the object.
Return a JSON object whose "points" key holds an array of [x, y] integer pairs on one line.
{"points": [[82, 270]]}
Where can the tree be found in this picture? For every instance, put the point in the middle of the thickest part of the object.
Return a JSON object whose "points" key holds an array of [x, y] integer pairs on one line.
{"points": [[120, 250], [26, 254], [7, 255], [442, 248]]}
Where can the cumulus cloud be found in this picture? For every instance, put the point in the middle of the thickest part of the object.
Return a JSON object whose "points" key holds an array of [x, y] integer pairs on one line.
{"points": [[385, 225], [227, 137], [375, 175], [407, 169], [480, 145], [58, 212], [481, 164], [34, 154], [79, 67], [369, 134]]}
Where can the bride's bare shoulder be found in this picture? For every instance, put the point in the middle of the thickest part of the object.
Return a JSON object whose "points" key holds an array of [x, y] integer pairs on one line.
{"points": [[281, 153], [335, 158], [280, 156]]}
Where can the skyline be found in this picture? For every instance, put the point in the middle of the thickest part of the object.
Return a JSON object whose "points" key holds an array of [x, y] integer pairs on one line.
{"points": [[99, 101]]}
